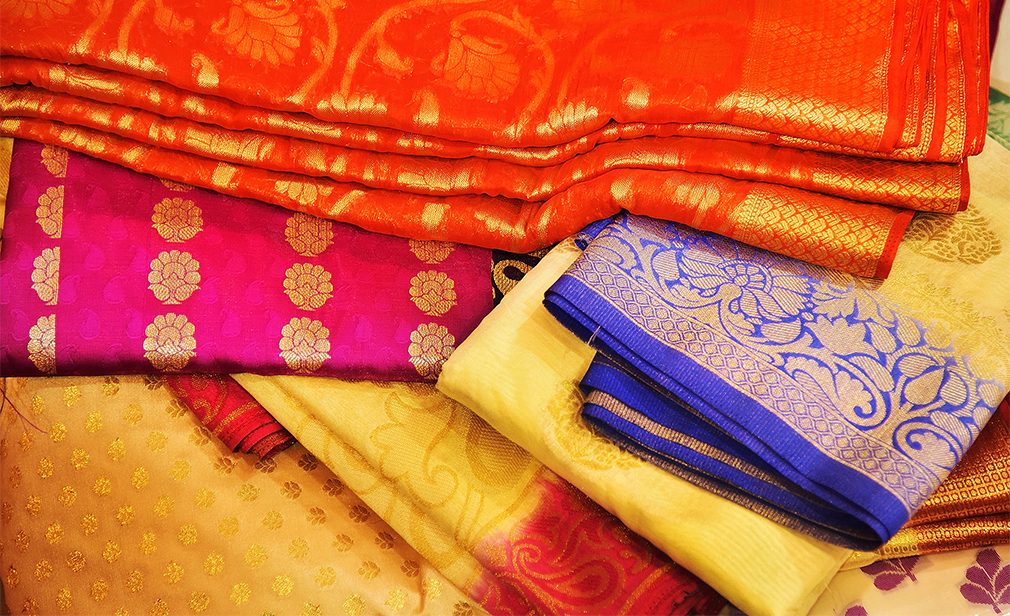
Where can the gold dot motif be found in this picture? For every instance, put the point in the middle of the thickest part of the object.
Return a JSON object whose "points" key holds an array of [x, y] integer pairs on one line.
{"points": [[204, 498], [308, 286], [176, 219], [42, 344], [199, 602], [298, 548], [112, 552], [213, 564], [135, 581], [291, 490], [103, 486], [156, 441], [49, 213], [33, 505], [79, 459], [125, 515], [368, 570], [433, 292], [430, 345], [43, 570], [343, 543], [187, 534], [170, 342], [149, 543], [46, 468], [132, 414], [116, 450], [15, 476], [99, 590], [13, 577], [110, 387], [248, 492], [240, 593], [89, 524], [308, 235], [179, 469], [46, 276], [354, 605], [282, 586], [71, 395], [430, 251], [68, 496], [22, 541], [255, 556], [173, 572], [140, 478], [76, 561], [93, 423], [164, 506], [64, 599], [396, 599], [326, 576], [273, 520], [304, 344], [174, 276], [58, 431], [228, 527]]}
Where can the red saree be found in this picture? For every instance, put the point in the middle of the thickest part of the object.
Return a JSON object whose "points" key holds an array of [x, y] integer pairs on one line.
{"points": [[452, 120]]}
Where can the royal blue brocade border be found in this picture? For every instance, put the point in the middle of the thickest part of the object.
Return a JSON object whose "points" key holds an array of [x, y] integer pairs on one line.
{"points": [[805, 367]]}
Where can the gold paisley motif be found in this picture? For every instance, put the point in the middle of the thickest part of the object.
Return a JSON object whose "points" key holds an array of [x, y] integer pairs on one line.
{"points": [[304, 344], [263, 31], [42, 344], [176, 219], [46, 275], [431, 251], [479, 68], [54, 159], [49, 214], [430, 345], [175, 275], [170, 342], [308, 235], [964, 237], [433, 292], [308, 286]]}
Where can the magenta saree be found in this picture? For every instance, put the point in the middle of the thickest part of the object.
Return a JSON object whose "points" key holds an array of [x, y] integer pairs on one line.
{"points": [[106, 271]]}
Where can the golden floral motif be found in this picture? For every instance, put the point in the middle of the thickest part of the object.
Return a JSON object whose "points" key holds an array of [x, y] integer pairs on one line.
{"points": [[431, 251], [433, 292], [46, 275], [479, 67], [304, 344], [308, 235], [170, 342], [49, 214], [176, 219], [307, 285], [29, 9], [430, 345], [42, 344], [175, 275], [965, 238], [304, 193], [54, 159], [261, 30]]}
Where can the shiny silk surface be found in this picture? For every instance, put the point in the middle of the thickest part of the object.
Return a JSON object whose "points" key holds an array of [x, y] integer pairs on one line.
{"points": [[517, 537], [831, 403], [117, 500], [105, 270], [519, 370], [231, 414], [256, 111]]}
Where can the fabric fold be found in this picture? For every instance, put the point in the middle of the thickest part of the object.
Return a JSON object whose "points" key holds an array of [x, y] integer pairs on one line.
{"points": [[832, 404], [515, 536]]}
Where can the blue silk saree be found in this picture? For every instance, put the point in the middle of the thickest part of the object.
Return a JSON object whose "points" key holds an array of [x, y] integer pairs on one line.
{"points": [[832, 404]]}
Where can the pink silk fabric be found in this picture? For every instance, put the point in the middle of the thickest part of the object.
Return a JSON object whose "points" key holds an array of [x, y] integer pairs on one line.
{"points": [[105, 271]]}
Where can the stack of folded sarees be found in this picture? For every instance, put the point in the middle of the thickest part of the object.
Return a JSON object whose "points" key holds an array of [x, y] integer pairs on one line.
{"points": [[454, 306]]}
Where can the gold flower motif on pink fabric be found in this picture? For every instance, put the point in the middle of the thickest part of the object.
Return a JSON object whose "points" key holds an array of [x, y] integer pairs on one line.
{"points": [[431, 251], [42, 344], [49, 214], [261, 30], [170, 342], [29, 9], [54, 159], [176, 219], [307, 285], [430, 345], [46, 275], [308, 235], [175, 275], [304, 344], [433, 292]]}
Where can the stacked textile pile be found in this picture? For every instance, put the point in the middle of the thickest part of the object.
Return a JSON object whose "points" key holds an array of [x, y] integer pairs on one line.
{"points": [[734, 376]]}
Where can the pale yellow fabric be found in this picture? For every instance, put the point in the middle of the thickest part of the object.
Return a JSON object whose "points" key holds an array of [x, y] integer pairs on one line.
{"points": [[418, 459], [519, 370], [116, 500]]}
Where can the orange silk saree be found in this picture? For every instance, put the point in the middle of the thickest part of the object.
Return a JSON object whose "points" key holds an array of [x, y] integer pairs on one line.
{"points": [[457, 120]]}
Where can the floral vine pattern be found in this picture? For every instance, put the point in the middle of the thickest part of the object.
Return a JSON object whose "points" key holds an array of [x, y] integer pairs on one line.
{"points": [[850, 373]]}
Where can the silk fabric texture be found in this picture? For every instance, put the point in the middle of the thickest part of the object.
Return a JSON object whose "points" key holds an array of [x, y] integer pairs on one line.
{"points": [[492, 519], [108, 271], [520, 369], [829, 403], [923, 105], [117, 500]]}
